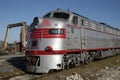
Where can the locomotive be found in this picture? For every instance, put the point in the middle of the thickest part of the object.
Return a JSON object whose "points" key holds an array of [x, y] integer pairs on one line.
{"points": [[63, 39]]}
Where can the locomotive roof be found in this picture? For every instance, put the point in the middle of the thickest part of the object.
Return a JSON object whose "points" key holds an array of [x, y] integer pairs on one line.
{"points": [[69, 12], [101, 23], [60, 10]]}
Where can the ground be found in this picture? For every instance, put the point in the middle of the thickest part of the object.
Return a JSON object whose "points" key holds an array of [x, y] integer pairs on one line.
{"points": [[12, 67]]}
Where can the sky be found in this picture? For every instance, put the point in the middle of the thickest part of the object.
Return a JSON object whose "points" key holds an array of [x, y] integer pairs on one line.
{"points": [[14, 11]]}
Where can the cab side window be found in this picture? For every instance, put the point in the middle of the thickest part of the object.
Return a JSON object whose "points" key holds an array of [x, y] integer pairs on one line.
{"points": [[75, 20]]}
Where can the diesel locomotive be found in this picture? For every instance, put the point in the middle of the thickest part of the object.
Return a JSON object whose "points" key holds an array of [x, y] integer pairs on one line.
{"points": [[64, 39]]}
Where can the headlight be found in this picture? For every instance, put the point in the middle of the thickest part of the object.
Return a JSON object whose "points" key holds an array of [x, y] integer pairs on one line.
{"points": [[37, 20]]}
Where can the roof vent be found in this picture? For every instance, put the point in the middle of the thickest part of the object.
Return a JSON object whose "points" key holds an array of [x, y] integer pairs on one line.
{"points": [[58, 9]]}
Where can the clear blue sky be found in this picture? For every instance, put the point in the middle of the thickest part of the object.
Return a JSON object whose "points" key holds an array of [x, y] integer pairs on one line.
{"points": [[13, 11]]}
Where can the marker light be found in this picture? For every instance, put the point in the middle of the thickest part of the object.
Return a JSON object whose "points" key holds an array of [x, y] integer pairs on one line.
{"points": [[49, 48]]}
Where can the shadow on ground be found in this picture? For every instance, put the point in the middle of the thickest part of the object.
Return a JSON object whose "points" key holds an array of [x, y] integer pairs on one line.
{"points": [[18, 62]]}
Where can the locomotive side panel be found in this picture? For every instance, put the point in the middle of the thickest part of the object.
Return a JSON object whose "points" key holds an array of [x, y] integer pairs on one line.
{"points": [[95, 36], [73, 39], [95, 40], [77, 38]]}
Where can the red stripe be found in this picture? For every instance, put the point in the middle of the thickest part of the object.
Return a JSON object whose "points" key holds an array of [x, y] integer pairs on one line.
{"points": [[42, 52], [43, 33]]}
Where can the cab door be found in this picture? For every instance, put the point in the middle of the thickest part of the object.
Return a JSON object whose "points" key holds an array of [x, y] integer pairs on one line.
{"points": [[75, 33]]}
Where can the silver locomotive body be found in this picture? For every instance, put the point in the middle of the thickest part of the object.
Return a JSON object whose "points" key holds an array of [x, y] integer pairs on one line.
{"points": [[62, 38]]}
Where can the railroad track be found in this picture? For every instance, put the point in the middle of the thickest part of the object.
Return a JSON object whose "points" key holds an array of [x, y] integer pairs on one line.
{"points": [[8, 77], [26, 76]]}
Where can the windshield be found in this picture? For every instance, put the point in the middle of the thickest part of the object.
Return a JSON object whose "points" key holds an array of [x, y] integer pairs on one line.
{"points": [[61, 15], [47, 15]]}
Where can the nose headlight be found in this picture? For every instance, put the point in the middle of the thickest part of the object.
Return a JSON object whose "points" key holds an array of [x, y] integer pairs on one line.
{"points": [[37, 20]]}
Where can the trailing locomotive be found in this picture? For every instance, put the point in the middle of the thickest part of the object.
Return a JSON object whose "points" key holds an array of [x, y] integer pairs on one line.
{"points": [[64, 39]]}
